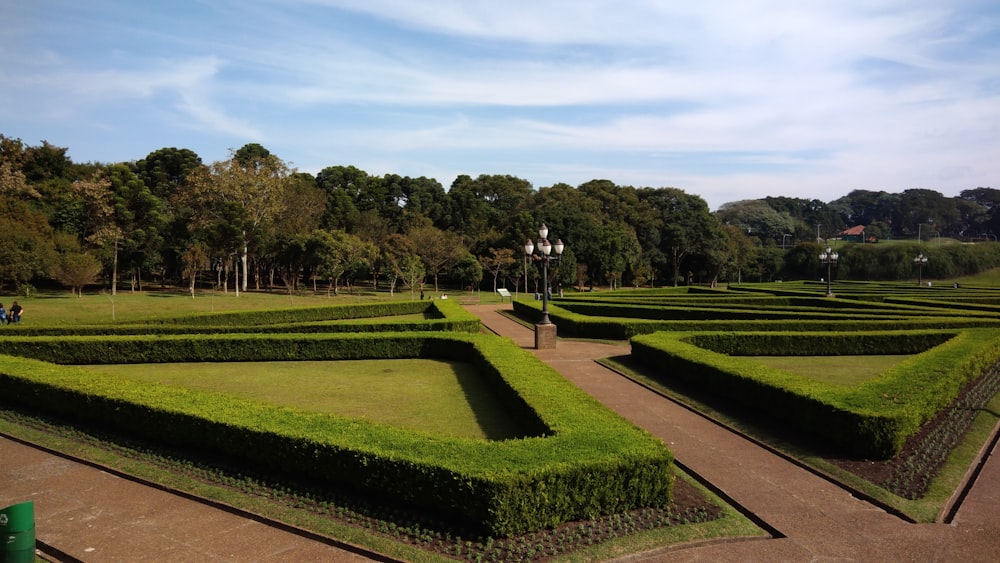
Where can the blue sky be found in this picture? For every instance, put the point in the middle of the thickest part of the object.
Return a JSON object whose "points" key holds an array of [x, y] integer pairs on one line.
{"points": [[725, 100]]}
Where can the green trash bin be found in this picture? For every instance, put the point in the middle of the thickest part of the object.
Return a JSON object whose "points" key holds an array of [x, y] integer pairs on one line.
{"points": [[17, 530]]}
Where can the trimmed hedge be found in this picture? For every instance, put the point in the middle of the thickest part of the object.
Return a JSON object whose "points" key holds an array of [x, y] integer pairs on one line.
{"points": [[577, 460], [442, 315], [872, 420], [625, 327]]}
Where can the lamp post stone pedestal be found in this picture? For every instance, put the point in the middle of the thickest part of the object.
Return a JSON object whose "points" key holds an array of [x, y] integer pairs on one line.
{"points": [[545, 336]]}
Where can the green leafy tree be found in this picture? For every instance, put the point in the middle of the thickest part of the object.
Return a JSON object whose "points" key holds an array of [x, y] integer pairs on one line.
{"points": [[467, 271], [284, 245], [342, 185], [740, 253], [141, 218], [980, 213], [802, 261], [770, 262], [77, 270], [496, 263], [13, 182], [426, 197], [758, 219], [26, 248], [805, 215], [196, 260], [164, 171], [410, 269], [616, 249], [338, 253], [248, 191], [685, 225], [290, 257], [572, 217], [402, 263], [481, 209], [100, 225], [437, 249], [923, 212]]}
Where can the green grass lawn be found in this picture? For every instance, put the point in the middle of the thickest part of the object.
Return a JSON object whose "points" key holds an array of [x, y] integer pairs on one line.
{"points": [[60, 308], [990, 278], [432, 396], [52, 308], [846, 371]]}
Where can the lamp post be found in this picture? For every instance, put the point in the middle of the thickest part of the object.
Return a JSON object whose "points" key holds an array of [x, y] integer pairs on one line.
{"points": [[545, 330], [828, 259], [920, 261]]}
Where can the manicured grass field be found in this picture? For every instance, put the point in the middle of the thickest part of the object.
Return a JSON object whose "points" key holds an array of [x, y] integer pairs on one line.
{"points": [[432, 396], [52, 308], [59, 308], [846, 371]]}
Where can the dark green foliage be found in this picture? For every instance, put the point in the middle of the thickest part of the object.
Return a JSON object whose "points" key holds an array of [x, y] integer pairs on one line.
{"points": [[830, 344]]}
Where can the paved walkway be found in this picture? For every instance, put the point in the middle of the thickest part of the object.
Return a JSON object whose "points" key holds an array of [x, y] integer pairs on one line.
{"points": [[86, 514], [818, 520], [93, 515]]}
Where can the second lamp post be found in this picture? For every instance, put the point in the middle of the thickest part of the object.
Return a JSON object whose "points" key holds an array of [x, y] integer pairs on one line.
{"points": [[545, 330], [920, 261], [828, 259]]}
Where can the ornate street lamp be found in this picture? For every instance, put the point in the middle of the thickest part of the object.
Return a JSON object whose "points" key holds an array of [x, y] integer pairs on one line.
{"points": [[828, 259], [545, 330], [920, 261]]}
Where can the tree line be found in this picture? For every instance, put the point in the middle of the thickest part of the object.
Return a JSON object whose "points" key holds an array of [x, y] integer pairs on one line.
{"points": [[252, 221]]}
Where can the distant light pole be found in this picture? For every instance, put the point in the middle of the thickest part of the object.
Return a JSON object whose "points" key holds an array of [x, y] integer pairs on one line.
{"points": [[828, 259], [545, 330], [783, 237], [920, 261]]}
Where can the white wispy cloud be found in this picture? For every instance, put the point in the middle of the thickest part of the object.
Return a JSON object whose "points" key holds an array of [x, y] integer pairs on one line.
{"points": [[755, 95]]}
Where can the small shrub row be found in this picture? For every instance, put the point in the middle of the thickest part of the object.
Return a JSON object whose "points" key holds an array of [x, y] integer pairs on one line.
{"points": [[577, 460]]}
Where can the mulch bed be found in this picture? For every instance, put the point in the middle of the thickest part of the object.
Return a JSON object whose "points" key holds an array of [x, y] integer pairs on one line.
{"points": [[911, 471]]}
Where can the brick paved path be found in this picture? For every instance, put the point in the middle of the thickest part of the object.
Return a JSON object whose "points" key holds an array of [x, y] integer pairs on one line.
{"points": [[819, 521], [89, 514]]}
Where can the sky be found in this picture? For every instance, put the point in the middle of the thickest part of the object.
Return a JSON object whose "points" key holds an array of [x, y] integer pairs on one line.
{"points": [[724, 100]]}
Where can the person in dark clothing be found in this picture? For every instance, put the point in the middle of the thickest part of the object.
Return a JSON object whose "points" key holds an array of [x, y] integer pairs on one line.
{"points": [[3, 315], [15, 313]]}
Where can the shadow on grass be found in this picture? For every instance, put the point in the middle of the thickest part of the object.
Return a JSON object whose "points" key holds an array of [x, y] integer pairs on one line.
{"points": [[494, 414]]}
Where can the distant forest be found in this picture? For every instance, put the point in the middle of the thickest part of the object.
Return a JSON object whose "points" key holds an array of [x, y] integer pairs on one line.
{"points": [[251, 222]]}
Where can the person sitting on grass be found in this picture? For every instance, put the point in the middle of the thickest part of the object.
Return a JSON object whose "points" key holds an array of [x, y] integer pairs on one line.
{"points": [[15, 313]]}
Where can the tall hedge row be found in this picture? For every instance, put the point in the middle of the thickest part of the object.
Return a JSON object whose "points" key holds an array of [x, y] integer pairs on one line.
{"points": [[625, 327], [576, 460], [872, 420]]}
